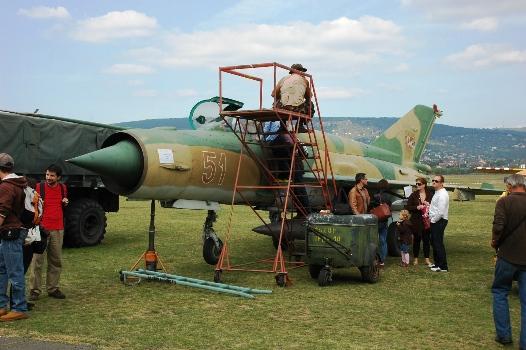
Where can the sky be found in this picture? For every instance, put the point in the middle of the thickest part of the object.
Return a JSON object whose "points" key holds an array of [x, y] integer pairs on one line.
{"points": [[116, 61]]}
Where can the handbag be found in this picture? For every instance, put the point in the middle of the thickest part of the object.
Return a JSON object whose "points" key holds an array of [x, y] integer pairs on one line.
{"points": [[383, 212]]}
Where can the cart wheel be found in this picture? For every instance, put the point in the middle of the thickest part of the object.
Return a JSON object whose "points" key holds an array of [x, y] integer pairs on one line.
{"points": [[217, 276], [325, 277], [371, 273], [281, 279], [314, 270]]}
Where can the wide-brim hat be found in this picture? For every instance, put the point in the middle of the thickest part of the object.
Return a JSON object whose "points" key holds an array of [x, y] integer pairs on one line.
{"points": [[298, 66]]}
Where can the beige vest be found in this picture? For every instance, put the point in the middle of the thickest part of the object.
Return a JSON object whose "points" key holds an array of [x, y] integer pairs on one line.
{"points": [[293, 90]]}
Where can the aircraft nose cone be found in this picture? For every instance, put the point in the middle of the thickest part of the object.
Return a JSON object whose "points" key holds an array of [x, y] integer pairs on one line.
{"points": [[120, 165]]}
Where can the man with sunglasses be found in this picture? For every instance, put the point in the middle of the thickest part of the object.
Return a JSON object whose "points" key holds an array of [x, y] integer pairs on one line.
{"points": [[438, 213]]}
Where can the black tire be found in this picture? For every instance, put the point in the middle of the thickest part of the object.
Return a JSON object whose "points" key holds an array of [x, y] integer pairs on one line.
{"points": [[211, 252], [371, 273], [324, 277], [85, 223], [393, 245], [314, 270]]}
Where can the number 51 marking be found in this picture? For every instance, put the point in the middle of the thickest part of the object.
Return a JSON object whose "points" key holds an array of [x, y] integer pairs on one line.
{"points": [[214, 165]]}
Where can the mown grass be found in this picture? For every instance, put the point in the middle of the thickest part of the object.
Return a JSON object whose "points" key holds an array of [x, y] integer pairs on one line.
{"points": [[408, 309]]}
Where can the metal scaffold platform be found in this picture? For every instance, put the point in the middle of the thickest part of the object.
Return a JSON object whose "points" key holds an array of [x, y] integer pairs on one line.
{"points": [[292, 158]]}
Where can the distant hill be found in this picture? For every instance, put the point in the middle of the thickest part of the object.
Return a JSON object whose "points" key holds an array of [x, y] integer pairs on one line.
{"points": [[449, 146]]}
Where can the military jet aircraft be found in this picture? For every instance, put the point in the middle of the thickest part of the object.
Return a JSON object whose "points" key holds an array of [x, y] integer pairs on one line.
{"points": [[196, 168]]}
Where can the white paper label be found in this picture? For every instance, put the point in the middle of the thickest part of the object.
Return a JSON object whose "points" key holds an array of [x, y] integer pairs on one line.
{"points": [[166, 156]]}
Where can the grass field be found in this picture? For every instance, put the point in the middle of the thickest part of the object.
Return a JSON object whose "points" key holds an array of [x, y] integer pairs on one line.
{"points": [[407, 309]]}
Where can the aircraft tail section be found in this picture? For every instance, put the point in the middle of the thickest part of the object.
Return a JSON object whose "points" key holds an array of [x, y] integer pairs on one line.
{"points": [[407, 137]]}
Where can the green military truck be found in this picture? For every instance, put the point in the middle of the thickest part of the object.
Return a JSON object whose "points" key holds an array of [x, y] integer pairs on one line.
{"points": [[35, 141]]}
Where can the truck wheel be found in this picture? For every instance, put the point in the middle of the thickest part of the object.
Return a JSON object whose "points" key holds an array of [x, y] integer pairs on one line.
{"points": [[85, 223], [211, 252], [393, 246]]}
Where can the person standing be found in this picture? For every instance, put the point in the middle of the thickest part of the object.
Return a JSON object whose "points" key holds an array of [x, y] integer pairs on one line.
{"points": [[55, 199], [405, 235], [293, 92], [381, 197], [418, 205], [12, 237], [359, 198], [438, 214], [509, 237]]}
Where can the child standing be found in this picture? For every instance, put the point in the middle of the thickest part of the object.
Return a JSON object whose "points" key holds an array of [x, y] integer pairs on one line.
{"points": [[404, 232]]}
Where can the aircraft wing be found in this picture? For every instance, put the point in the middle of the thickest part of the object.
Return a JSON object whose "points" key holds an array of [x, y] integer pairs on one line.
{"points": [[462, 192]]}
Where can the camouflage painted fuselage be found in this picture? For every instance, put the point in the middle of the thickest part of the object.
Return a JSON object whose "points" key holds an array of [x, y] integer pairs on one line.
{"points": [[202, 164]]}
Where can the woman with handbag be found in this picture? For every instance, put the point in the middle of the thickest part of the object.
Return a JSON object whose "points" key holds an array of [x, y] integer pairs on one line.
{"points": [[418, 206]]}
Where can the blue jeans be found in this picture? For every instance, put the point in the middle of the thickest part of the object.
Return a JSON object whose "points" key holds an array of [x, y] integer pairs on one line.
{"points": [[504, 272], [12, 270], [404, 248], [382, 240]]}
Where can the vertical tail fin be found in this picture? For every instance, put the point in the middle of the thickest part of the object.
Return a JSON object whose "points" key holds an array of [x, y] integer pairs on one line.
{"points": [[408, 136]]}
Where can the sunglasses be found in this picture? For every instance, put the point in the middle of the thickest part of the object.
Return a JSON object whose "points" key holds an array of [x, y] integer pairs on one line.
{"points": [[418, 184], [436, 181]]}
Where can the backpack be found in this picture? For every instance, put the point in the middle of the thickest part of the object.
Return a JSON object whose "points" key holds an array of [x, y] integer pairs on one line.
{"points": [[32, 210], [42, 188]]}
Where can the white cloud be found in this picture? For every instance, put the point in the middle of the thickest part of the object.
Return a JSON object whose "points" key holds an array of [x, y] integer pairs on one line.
{"points": [[115, 25], [467, 9], [145, 93], [485, 24], [340, 43], [336, 93], [128, 68], [43, 12], [486, 55]]}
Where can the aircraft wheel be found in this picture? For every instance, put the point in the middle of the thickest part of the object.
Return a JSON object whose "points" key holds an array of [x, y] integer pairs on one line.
{"points": [[210, 251], [325, 277], [217, 276], [314, 270]]}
